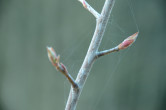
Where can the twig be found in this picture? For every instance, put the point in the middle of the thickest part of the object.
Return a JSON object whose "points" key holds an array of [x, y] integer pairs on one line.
{"points": [[105, 52], [89, 8], [126, 43], [54, 59]]}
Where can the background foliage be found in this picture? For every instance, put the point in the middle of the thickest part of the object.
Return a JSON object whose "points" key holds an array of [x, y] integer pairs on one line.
{"points": [[133, 79]]}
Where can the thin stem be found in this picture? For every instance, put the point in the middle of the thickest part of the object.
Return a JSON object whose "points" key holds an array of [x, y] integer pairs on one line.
{"points": [[71, 80], [105, 52], [60, 67]]}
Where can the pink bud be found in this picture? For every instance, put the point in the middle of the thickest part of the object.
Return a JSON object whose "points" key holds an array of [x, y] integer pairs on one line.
{"points": [[84, 3], [128, 41]]}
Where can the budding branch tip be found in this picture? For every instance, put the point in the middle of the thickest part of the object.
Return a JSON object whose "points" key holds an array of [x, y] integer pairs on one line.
{"points": [[128, 41]]}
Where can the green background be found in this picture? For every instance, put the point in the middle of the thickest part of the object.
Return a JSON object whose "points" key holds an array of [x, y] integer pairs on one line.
{"points": [[132, 79]]}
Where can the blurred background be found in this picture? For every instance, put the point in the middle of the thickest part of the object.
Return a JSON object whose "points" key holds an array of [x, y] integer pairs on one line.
{"points": [[132, 79]]}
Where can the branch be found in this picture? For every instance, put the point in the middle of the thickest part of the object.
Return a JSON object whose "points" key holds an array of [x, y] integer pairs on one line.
{"points": [[126, 43], [91, 54], [89, 8], [54, 59]]}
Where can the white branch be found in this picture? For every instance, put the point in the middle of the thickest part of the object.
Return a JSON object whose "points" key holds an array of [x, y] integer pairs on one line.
{"points": [[91, 54], [89, 8]]}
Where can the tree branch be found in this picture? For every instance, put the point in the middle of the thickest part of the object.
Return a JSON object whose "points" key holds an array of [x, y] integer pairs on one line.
{"points": [[89, 8], [91, 54]]}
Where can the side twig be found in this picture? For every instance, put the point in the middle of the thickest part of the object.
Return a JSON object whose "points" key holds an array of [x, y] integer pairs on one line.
{"points": [[54, 59], [105, 52], [126, 43], [89, 8]]}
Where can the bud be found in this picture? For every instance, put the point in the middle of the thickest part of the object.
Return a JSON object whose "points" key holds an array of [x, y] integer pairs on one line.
{"points": [[52, 56], [128, 41], [84, 3]]}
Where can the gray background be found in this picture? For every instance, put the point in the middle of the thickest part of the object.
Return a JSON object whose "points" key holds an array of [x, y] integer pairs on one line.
{"points": [[132, 79]]}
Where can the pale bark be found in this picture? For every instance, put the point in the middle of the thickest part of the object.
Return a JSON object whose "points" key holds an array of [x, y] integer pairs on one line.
{"points": [[92, 53], [101, 23]]}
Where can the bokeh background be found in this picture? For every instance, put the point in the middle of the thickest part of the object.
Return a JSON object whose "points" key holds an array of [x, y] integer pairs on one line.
{"points": [[132, 79]]}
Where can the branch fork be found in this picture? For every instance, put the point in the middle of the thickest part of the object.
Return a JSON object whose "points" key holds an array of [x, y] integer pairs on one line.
{"points": [[92, 53]]}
